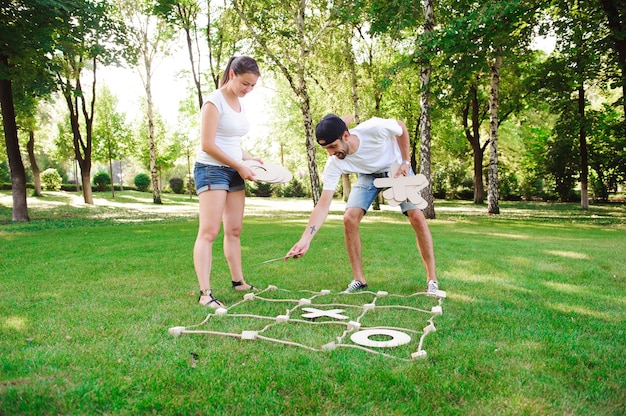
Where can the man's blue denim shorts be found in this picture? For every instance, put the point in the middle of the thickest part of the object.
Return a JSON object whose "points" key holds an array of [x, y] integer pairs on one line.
{"points": [[364, 192], [212, 177]]}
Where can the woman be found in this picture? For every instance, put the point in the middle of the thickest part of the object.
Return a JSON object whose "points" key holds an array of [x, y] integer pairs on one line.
{"points": [[219, 175]]}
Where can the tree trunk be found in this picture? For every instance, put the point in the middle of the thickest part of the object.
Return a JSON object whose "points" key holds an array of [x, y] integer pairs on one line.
{"points": [[33, 162], [492, 198], [194, 72], [82, 148], [18, 174], [156, 189], [345, 178], [310, 145], [111, 174], [473, 137], [424, 121], [584, 166]]}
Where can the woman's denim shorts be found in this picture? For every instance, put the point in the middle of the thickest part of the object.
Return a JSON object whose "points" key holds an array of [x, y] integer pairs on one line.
{"points": [[212, 177]]}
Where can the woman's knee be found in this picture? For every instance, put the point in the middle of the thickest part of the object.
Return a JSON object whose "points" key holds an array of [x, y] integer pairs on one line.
{"points": [[233, 230], [208, 234]]}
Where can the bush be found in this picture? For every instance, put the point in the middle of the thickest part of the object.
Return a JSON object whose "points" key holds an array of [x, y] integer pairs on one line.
{"points": [[5, 174], [294, 189], [51, 180], [101, 180], [191, 185], [263, 189], [142, 182], [177, 185]]}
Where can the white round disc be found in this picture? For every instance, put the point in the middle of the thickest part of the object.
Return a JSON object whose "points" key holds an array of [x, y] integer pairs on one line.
{"points": [[397, 338], [269, 172]]}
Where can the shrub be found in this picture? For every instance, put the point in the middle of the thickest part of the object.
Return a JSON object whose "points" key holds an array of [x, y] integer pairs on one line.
{"points": [[101, 180], [177, 185], [262, 189], [51, 180], [142, 182], [5, 175], [191, 185], [294, 189]]}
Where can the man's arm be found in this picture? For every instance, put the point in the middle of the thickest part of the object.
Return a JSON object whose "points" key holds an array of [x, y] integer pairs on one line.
{"points": [[404, 142], [317, 218]]}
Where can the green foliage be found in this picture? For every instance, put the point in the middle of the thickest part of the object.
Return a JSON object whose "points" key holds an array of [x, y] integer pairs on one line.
{"points": [[262, 189], [191, 185], [607, 151], [177, 185], [101, 180], [5, 173], [294, 189], [142, 182], [51, 180]]}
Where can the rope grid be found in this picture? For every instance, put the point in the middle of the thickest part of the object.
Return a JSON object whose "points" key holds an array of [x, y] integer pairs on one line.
{"points": [[359, 334]]}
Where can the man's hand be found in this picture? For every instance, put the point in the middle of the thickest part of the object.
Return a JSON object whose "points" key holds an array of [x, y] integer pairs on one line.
{"points": [[298, 250], [403, 170]]}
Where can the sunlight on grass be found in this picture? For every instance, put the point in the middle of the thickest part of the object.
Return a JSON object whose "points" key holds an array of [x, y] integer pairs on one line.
{"points": [[566, 287], [518, 236], [568, 254], [569, 308], [461, 298], [17, 323]]}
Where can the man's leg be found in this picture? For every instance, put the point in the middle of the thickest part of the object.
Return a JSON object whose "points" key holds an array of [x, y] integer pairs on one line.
{"points": [[424, 242], [359, 201], [351, 220]]}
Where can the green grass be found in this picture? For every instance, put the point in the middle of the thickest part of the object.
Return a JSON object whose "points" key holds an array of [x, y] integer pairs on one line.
{"points": [[533, 321]]}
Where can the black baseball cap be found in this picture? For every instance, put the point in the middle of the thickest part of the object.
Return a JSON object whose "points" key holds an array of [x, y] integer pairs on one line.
{"points": [[329, 129]]}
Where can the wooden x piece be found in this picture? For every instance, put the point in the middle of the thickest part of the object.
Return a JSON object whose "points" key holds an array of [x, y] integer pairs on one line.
{"points": [[402, 188]]}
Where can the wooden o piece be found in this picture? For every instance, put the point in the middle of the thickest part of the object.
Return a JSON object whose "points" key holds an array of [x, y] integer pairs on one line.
{"points": [[268, 172], [363, 338]]}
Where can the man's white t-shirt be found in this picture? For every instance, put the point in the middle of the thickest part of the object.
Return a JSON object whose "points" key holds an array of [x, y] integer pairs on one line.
{"points": [[378, 150], [231, 126]]}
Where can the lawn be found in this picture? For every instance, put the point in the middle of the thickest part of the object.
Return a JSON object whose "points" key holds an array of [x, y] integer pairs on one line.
{"points": [[533, 322]]}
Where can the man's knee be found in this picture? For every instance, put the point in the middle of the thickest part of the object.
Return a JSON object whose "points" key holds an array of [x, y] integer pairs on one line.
{"points": [[352, 217], [417, 219]]}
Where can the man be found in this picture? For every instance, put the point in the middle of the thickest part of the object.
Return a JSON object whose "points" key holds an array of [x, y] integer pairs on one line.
{"points": [[369, 150]]}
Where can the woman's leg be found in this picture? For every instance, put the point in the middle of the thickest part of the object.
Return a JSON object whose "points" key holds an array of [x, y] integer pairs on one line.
{"points": [[233, 224], [210, 214]]}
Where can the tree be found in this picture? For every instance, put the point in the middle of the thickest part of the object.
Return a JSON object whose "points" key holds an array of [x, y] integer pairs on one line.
{"points": [[476, 43], [615, 11], [184, 15], [222, 34], [27, 38], [425, 130], [607, 151], [112, 137], [287, 33], [578, 65], [92, 37], [148, 43]]}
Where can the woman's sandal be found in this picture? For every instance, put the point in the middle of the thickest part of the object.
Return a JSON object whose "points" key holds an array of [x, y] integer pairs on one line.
{"points": [[212, 303], [237, 284]]}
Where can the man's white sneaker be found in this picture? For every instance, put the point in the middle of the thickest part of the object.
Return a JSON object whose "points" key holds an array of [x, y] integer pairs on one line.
{"points": [[355, 286], [433, 287]]}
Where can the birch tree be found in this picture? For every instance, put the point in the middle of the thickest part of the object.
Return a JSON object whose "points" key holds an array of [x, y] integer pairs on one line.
{"points": [[424, 121], [149, 40], [287, 33]]}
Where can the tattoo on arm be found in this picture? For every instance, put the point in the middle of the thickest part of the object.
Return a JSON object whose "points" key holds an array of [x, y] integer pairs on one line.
{"points": [[313, 229]]}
